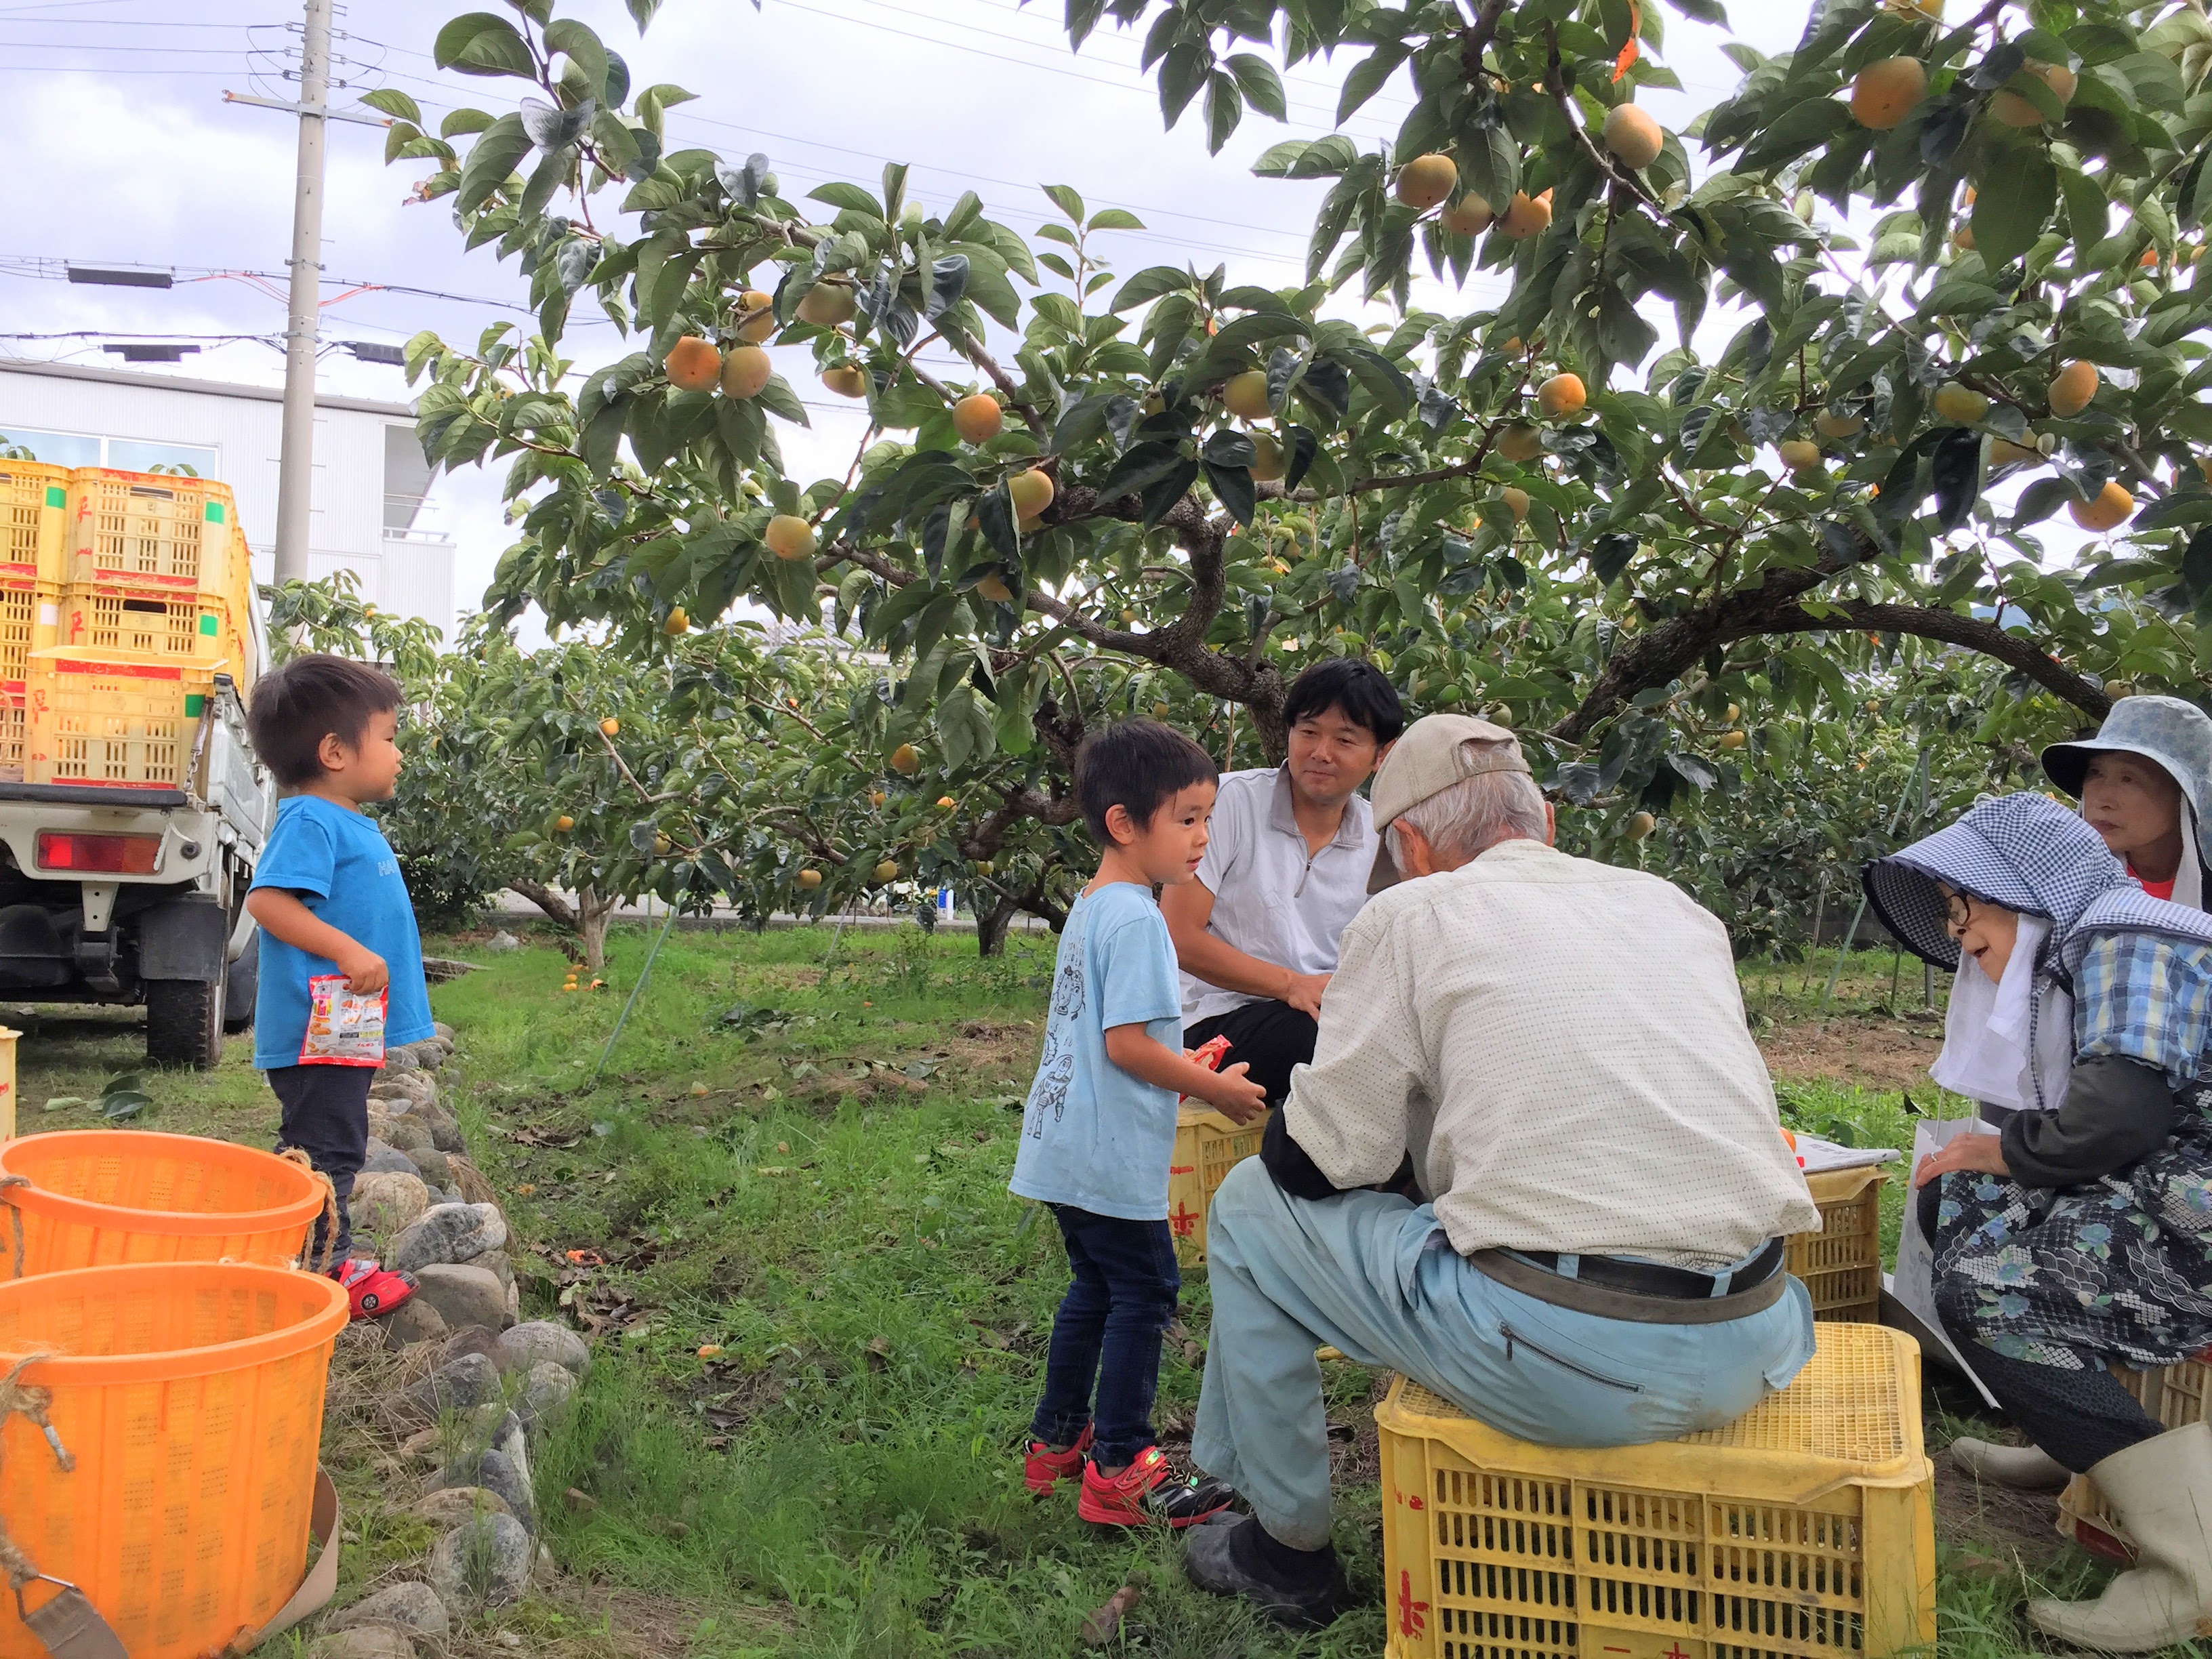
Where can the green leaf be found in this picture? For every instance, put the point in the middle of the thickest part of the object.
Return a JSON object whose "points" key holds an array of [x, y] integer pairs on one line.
{"points": [[839, 194], [1149, 284], [2013, 202], [1225, 108], [483, 43], [1065, 200], [1116, 219], [492, 161], [1256, 79], [582, 47], [1302, 158], [1368, 76], [460, 121], [394, 103]]}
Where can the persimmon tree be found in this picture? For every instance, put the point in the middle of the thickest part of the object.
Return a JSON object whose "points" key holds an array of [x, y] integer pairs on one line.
{"points": [[1714, 448]]}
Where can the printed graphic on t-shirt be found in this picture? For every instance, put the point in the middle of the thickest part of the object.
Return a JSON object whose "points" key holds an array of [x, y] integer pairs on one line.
{"points": [[1056, 1069]]}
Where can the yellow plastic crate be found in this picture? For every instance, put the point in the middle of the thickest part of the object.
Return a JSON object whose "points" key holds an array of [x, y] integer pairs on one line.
{"points": [[33, 519], [1207, 1147], [2175, 1396], [1841, 1264], [127, 724], [149, 625], [152, 530], [13, 731], [30, 613], [1805, 1528]]}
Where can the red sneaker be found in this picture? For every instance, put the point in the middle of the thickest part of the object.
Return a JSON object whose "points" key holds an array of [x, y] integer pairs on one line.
{"points": [[1042, 1469], [373, 1289], [1146, 1494]]}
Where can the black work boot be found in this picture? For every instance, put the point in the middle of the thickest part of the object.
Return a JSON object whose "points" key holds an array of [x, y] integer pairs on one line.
{"points": [[1234, 1555]]}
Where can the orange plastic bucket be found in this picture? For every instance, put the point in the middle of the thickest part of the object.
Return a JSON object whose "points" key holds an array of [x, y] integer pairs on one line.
{"points": [[102, 1196], [190, 1395]]}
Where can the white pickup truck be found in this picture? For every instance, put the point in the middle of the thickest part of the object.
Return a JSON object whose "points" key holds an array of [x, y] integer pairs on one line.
{"points": [[123, 894]]}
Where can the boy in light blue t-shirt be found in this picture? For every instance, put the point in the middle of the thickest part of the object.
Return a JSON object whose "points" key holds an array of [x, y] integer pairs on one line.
{"points": [[330, 903], [1100, 1126]]}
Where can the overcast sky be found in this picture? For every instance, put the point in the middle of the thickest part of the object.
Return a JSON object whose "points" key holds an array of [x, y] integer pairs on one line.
{"points": [[123, 150]]}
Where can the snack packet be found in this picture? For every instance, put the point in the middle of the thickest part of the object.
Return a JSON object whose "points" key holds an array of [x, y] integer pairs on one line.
{"points": [[344, 1027], [1209, 1054]]}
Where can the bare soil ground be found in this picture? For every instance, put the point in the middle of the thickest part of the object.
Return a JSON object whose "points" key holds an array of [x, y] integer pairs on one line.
{"points": [[1874, 1051]]}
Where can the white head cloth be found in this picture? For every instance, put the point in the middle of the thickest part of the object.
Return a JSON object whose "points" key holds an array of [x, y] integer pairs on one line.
{"points": [[1986, 1035]]}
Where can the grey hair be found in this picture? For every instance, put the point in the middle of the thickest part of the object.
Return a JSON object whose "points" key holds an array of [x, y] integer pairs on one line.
{"points": [[1474, 815]]}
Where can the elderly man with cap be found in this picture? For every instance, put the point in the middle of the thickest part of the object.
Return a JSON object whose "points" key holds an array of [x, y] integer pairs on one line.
{"points": [[1559, 1047]]}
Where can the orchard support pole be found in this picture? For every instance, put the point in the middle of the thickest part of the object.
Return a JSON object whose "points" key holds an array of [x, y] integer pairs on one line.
{"points": [[1859, 915]]}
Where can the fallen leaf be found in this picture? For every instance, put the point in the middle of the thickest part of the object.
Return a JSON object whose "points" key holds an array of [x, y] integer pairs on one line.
{"points": [[1193, 1354], [879, 1348], [582, 1501], [587, 1258], [709, 1350], [1104, 1623]]}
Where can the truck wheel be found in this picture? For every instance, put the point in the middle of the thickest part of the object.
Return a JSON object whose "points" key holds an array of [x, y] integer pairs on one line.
{"points": [[183, 1023], [242, 987]]}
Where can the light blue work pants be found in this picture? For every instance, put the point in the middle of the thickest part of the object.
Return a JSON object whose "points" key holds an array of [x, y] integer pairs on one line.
{"points": [[1374, 1276]]}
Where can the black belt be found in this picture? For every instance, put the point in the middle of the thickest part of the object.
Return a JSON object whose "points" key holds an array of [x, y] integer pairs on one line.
{"points": [[1611, 1272]]}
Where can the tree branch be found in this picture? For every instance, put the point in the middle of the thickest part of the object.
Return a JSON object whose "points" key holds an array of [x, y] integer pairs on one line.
{"points": [[1775, 606]]}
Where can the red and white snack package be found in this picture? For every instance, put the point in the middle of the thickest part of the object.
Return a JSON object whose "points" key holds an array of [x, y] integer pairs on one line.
{"points": [[344, 1027]]}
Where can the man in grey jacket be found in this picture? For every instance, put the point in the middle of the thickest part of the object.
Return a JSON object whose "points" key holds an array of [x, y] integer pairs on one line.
{"points": [[1557, 1049]]}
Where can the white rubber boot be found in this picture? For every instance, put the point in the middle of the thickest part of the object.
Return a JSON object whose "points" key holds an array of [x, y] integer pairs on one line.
{"points": [[2025, 1469], [2162, 1491]]}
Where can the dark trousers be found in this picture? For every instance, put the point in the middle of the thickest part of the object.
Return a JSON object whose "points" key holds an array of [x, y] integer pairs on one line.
{"points": [[2079, 1417], [1269, 1037], [1106, 1338], [326, 1117]]}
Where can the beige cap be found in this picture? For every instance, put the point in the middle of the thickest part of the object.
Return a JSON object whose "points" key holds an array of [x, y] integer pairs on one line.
{"points": [[1437, 751]]}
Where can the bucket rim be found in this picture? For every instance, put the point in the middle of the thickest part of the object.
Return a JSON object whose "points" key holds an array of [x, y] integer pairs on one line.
{"points": [[319, 1328], [38, 1200]]}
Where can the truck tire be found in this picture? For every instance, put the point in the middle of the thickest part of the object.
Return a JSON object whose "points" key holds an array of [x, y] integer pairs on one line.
{"points": [[242, 987], [183, 1023]]}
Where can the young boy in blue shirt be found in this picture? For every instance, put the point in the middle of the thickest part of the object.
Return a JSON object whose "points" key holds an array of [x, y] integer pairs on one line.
{"points": [[331, 901], [1099, 1130]]}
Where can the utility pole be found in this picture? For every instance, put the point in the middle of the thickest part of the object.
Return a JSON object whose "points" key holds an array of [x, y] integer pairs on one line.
{"points": [[295, 485]]}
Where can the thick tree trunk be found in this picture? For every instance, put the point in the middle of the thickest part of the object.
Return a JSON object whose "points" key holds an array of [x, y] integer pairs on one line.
{"points": [[591, 927], [587, 918], [991, 925]]}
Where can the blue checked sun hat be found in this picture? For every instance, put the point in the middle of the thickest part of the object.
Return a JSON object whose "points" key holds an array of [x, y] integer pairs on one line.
{"points": [[2025, 853], [2175, 734]]}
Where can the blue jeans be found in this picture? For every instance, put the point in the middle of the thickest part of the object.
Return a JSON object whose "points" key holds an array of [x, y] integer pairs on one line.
{"points": [[1107, 1333], [1373, 1275]]}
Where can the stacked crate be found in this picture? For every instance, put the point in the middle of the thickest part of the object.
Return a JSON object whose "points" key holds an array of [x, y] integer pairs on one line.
{"points": [[34, 538], [154, 599]]}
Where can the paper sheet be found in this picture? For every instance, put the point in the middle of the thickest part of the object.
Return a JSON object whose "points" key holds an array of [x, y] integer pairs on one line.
{"points": [[1914, 1282], [1820, 1155]]}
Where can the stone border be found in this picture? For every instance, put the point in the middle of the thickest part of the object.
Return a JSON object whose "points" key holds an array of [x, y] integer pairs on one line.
{"points": [[485, 1386]]}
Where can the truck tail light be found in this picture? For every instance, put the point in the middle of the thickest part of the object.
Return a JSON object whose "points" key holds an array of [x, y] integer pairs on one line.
{"points": [[116, 855]]}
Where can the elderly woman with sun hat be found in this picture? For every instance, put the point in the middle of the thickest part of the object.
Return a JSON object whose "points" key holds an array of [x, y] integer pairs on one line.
{"points": [[2079, 1236], [2142, 783]]}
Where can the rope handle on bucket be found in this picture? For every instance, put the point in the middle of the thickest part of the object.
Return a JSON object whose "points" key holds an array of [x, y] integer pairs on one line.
{"points": [[15, 1215], [330, 1215]]}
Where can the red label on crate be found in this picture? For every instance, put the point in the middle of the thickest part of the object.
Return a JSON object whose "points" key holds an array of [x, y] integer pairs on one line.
{"points": [[1413, 1616], [1184, 1221], [119, 670]]}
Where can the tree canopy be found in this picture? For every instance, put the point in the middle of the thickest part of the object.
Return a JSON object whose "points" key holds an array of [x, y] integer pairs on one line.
{"points": [[1713, 450]]}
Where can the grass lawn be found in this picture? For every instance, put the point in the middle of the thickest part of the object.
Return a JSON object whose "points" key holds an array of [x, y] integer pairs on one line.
{"points": [[821, 1317]]}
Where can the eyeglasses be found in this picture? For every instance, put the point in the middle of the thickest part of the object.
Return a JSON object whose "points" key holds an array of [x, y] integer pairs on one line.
{"points": [[1958, 916]]}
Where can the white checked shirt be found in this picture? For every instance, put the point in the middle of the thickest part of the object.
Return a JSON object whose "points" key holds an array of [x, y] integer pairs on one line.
{"points": [[1561, 1045], [1271, 898]]}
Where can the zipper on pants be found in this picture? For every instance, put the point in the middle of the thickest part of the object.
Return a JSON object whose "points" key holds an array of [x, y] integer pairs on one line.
{"points": [[1512, 1336]]}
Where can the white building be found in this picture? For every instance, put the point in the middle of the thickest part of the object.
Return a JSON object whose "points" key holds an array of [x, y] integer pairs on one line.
{"points": [[370, 476]]}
